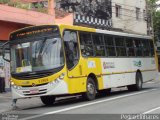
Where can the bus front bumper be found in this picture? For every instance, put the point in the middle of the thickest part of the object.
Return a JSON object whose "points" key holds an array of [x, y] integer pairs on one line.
{"points": [[58, 87]]}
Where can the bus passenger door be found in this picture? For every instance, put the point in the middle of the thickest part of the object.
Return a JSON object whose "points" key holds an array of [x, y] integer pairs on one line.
{"points": [[71, 53]]}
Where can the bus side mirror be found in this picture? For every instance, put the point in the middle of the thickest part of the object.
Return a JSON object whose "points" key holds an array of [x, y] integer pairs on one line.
{"points": [[5, 57]]}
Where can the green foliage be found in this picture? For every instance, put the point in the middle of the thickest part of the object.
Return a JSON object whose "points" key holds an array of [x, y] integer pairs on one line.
{"points": [[38, 5], [28, 6], [153, 2], [43, 10], [40, 8], [155, 17], [4, 1]]}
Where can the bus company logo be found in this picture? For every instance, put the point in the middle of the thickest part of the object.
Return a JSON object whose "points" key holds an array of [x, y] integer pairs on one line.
{"points": [[137, 63], [107, 65], [33, 85]]}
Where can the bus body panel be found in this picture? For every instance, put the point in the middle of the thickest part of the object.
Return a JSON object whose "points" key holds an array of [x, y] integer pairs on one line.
{"points": [[122, 71]]}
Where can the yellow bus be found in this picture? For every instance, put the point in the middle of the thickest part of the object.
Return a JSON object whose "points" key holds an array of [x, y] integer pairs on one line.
{"points": [[49, 61]]}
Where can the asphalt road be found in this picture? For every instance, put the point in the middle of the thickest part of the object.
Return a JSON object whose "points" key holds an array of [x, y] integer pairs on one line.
{"points": [[120, 101]]}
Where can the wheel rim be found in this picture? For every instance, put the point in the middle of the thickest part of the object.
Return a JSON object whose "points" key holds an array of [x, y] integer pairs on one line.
{"points": [[90, 88]]}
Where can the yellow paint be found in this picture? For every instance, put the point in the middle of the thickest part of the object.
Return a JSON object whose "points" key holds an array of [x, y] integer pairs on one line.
{"points": [[75, 78], [156, 60]]}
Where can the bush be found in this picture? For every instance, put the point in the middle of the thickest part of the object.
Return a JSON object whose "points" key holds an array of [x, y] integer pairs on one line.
{"points": [[19, 4], [4, 1]]}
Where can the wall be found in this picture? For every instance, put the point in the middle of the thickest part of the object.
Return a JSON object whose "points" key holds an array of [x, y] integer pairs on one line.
{"points": [[8, 27], [23, 16], [14, 18], [128, 21]]}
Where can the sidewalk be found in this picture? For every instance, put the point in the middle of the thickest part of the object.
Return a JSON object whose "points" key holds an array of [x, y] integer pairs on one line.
{"points": [[5, 101]]}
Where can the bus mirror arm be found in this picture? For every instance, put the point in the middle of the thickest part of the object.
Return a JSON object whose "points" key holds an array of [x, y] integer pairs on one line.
{"points": [[4, 51]]}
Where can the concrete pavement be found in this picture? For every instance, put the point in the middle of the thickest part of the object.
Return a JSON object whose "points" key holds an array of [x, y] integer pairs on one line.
{"points": [[27, 104], [5, 101]]}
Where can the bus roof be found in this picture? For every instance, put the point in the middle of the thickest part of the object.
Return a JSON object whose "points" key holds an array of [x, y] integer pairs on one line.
{"points": [[106, 31], [81, 28]]}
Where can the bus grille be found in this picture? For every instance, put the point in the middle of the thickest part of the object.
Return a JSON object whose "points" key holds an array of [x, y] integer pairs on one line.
{"points": [[36, 75], [25, 86], [32, 76]]}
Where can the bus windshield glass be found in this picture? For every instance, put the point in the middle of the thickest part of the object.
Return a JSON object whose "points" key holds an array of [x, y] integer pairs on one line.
{"points": [[37, 54]]}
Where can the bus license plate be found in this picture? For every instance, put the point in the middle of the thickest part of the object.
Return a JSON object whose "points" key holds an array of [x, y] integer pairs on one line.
{"points": [[34, 91]]}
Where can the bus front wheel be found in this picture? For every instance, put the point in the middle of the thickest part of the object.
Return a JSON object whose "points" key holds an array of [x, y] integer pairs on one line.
{"points": [[48, 100], [90, 93]]}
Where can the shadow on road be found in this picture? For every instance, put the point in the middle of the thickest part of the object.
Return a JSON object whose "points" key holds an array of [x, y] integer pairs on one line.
{"points": [[65, 101]]}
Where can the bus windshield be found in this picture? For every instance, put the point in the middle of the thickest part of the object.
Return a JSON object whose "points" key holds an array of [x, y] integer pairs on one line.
{"points": [[40, 54]]}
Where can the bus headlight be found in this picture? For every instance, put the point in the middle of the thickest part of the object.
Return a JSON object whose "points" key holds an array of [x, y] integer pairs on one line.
{"points": [[56, 81], [15, 86], [12, 83], [61, 77]]}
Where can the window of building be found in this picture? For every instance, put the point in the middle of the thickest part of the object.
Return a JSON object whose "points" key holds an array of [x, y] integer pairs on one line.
{"points": [[118, 10], [137, 13], [144, 15]]}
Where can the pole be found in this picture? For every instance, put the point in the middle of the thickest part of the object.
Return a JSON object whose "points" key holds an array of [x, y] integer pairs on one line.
{"points": [[51, 7]]}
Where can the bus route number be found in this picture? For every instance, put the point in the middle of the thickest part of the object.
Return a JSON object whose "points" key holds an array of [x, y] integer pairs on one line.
{"points": [[41, 81]]}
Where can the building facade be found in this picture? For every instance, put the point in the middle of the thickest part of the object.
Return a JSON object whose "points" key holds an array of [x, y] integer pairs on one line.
{"points": [[120, 15], [130, 16]]}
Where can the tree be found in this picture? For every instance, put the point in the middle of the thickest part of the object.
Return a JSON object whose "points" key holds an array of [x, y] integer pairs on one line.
{"points": [[154, 15]]}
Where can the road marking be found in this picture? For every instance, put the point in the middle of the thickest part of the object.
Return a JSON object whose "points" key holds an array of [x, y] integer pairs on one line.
{"points": [[150, 82], [151, 110], [87, 104]]}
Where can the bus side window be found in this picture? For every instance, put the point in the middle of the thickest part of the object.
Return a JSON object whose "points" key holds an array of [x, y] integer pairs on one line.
{"points": [[146, 47], [110, 47], [138, 48], [71, 48], [130, 44], [86, 44], [151, 47], [120, 46], [99, 46]]}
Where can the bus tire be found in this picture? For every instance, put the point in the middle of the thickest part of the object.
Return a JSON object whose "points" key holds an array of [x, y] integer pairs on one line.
{"points": [[90, 93], [138, 85], [139, 81], [48, 100]]}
